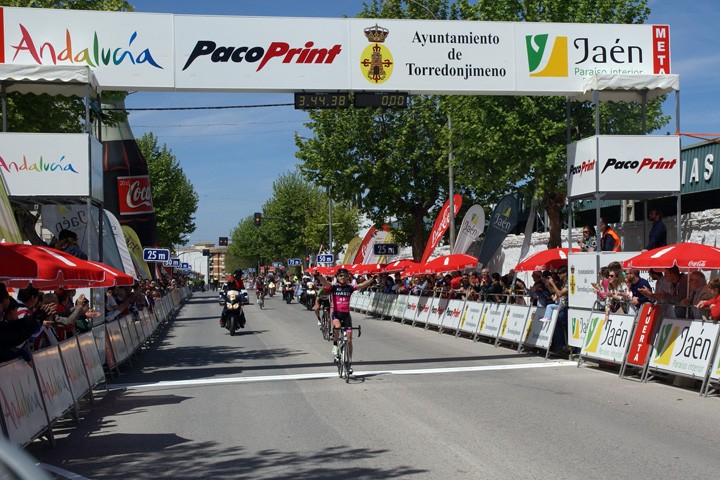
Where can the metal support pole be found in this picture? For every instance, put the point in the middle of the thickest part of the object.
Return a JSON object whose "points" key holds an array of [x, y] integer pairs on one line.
{"points": [[451, 188], [330, 236]]}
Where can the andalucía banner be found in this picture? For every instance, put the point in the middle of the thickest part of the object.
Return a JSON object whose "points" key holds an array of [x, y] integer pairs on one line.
{"points": [[471, 228], [441, 225]]}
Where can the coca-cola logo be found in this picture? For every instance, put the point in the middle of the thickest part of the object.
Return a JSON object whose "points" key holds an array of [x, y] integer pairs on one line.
{"points": [[697, 263], [135, 195]]}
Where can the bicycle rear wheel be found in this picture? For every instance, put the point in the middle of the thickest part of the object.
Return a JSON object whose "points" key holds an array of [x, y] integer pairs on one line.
{"points": [[326, 328]]}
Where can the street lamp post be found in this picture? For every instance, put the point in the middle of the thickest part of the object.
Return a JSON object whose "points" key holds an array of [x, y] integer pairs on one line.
{"points": [[451, 182]]}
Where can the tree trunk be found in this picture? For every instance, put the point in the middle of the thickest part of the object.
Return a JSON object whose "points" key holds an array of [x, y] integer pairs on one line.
{"points": [[418, 233], [553, 204]]}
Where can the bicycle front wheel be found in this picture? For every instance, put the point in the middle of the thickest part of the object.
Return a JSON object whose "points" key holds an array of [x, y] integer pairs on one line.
{"points": [[338, 360], [346, 363]]}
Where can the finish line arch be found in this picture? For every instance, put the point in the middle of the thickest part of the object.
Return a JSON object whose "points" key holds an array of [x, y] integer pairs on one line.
{"points": [[168, 52]]}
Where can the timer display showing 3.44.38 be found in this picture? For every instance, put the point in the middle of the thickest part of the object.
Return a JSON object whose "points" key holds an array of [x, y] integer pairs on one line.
{"points": [[310, 101]]}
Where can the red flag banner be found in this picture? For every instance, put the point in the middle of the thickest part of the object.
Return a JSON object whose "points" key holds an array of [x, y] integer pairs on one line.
{"points": [[362, 253], [441, 225]]}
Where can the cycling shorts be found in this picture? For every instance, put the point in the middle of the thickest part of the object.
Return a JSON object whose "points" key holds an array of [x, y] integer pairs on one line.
{"points": [[344, 317], [324, 302]]}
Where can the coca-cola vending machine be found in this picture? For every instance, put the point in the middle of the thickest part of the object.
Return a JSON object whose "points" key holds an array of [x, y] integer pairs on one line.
{"points": [[126, 181]]}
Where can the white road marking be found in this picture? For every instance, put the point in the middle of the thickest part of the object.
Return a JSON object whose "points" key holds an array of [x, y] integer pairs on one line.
{"points": [[319, 375]]}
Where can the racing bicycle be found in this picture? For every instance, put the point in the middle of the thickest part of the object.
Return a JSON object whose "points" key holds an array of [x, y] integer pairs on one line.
{"points": [[343, 360]]}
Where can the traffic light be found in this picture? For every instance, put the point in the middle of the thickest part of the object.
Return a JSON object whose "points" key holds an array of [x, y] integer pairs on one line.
{"points": [[223, 241], [257, 218]]}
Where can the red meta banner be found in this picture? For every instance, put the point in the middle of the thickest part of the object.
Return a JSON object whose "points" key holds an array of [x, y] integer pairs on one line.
{"points": [[641, 342], [441, 225], [134, 195], [661, 49]]}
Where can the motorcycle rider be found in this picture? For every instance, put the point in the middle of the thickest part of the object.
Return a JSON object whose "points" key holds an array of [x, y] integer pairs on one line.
{"points": [[234, 283]]}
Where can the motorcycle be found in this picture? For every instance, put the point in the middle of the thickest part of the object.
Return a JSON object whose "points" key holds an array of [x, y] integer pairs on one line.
{"points": [[271, 288], [233, 315], [288, 291], [309, 296]]}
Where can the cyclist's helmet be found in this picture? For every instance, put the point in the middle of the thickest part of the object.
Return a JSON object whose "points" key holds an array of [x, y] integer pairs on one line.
{"points": [[238, 274], [343, 271]]}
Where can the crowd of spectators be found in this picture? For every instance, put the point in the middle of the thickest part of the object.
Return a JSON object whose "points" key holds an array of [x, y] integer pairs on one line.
{"points": [[31, 320]]}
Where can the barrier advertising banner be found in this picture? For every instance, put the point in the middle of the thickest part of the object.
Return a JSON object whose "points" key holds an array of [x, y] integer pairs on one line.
{"points": [[135, 51], [607, 339], [21, 402], [539, 334], [491, 319], [52, 381], [74, 368], [452, 315], [643, 335], [582, 273], [578, 321], [471, 317], [513, 325], [684, 346], [91, 357]]}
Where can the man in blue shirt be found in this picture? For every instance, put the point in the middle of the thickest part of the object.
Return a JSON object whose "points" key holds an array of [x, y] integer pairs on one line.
{"points": [[658, 232], [635, 283]]}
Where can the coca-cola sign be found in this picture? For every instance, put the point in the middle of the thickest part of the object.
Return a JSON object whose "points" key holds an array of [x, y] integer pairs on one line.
{"points": [[134, 195]]}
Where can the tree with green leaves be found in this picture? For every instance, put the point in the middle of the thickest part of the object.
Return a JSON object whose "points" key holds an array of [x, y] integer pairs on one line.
{"points": [[295, 224], [174, 197], [395, 162]]}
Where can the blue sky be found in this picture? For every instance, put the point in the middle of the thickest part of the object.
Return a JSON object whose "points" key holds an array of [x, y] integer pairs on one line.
{"points": [[233, 156]]}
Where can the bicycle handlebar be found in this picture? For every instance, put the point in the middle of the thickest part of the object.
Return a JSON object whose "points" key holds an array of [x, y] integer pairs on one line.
{"points": [[358, 328]]}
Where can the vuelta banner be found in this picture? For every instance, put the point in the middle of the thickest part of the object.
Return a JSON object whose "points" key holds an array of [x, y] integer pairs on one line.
{"points": [[502, 221], [134, 195], [471, 228], [441, 225], [642, 338], [362, 253]]}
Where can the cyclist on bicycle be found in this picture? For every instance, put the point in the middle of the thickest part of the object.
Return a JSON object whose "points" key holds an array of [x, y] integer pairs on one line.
{"points": [[259, 287], [322, 300], [340, 293]]}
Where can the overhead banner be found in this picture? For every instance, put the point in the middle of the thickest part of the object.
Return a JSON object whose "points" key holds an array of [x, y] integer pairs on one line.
{"points": [[624, 163], [144, 51]]}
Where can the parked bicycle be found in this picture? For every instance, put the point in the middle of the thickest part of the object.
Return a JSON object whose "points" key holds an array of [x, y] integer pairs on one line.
{"points": [[344, 359]]}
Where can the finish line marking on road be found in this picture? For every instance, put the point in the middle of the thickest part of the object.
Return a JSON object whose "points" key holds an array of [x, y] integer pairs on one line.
{"points": [[319, 375]]}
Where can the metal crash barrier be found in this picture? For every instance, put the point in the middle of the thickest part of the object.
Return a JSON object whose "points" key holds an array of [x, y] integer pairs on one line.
{"points": [[646, 343], [35, 395]]}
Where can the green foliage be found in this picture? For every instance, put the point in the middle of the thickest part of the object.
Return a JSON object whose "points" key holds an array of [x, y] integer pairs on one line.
{"points": [[174, 197], [395, 163], [294, 225]]}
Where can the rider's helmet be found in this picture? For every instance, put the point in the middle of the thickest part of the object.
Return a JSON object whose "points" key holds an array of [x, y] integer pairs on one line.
{"points": [[342, 274], [237, 274]]}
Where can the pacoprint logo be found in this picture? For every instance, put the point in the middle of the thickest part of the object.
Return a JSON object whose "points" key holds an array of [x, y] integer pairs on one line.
{"points": [[639, 165], [545, 60]]}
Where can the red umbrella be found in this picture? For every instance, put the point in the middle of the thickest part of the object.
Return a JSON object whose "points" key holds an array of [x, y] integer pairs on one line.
{"points": [[55, 269], [369, 268], [448, 263], [16, 265], [686, 256], [400, 265], [545, 260], [113, 277]]}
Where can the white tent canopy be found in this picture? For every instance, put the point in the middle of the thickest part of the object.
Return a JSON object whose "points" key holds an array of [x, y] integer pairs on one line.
{"points": [[627, 88], [67, 80]]}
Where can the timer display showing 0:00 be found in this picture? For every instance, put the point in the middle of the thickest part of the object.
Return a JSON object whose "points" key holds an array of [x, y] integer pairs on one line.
{"points": [[306, 101], [383, 100]]}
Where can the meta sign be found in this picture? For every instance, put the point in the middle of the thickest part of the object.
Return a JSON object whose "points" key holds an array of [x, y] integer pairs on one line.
{"points": [[173, 263], [326, 258], [156, 254]]}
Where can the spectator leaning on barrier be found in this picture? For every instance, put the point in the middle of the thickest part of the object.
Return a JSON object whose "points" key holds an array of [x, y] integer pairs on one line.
{"points": [[712, 304], [635, 282]]}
